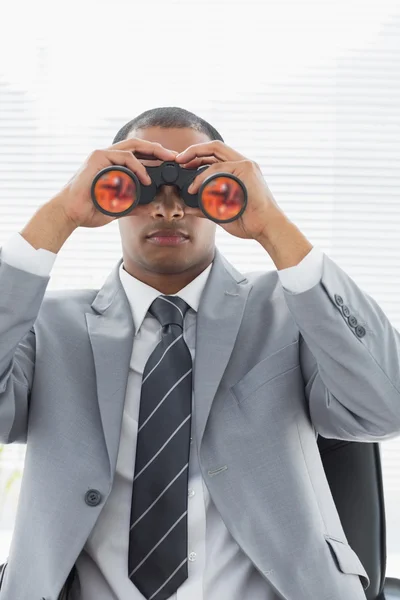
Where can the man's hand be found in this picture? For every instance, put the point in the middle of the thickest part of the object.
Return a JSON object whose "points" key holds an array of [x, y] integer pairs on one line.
{"points": [[263, 220], [261, 208]]}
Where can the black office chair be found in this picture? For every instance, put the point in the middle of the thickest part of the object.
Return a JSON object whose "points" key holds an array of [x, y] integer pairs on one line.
{"points": [[357, 490]]}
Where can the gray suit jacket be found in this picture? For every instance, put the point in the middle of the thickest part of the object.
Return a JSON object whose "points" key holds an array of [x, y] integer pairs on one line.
{"points": [[272, 370]]}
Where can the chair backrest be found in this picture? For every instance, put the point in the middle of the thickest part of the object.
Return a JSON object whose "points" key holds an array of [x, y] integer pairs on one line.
{"points": [[354, 473]]}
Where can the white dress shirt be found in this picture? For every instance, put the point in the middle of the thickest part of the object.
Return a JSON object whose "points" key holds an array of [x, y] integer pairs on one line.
{"points": [[217, 567]]}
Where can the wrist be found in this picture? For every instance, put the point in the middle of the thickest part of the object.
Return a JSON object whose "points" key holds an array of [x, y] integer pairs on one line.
{"points": [[284, 242], [56, 207], [276, 224], [49, 228]]}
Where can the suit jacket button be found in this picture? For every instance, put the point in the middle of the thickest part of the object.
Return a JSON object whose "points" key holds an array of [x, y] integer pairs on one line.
{"points": [[346, 310], [92, 497], [353, 321], [360, 331], [338, 300]]}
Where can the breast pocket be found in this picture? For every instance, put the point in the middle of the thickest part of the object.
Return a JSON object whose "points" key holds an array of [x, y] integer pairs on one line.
{"points": [[281, 371]]}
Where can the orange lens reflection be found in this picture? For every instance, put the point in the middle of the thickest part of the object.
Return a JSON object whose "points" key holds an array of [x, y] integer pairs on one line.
{"points": [[115, 191], [223, 198]]}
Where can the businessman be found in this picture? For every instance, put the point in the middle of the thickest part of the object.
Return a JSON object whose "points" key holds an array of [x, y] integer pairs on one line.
{"points": [[171, 417]]}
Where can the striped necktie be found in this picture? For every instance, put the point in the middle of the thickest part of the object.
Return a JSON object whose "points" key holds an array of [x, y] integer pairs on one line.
{"points": [[157, 561]]}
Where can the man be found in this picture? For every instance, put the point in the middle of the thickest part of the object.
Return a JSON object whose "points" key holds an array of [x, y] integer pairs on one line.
{"points": [[171, 417]]}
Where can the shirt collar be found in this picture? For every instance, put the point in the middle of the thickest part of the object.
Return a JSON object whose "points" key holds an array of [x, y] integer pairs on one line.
{"points": [[140, 295]]}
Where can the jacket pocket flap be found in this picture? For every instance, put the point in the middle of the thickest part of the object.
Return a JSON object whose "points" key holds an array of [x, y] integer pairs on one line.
{"points": [[348, 560], [272, 366]]}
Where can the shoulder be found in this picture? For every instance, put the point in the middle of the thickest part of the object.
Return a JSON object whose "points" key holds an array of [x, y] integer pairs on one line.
{"points": [[61, 308]]}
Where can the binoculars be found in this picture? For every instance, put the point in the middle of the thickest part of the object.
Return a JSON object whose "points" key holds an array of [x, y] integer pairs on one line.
{"points": [[116, 190]]}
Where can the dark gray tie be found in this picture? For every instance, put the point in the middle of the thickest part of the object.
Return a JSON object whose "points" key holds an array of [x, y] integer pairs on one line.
{"points": [[157, 562]]}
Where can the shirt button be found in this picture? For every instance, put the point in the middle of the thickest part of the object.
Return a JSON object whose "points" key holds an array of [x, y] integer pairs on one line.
{"points": [[191, 440], [190, 492], [192, 556]]}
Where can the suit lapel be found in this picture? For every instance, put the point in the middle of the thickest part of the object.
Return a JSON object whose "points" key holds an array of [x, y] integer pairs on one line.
{"points": [[111, 332], [218, 320]]}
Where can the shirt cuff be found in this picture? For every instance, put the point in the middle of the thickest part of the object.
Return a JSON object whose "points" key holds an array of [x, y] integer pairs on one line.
{"points": [[305, 275], [19, 253]]}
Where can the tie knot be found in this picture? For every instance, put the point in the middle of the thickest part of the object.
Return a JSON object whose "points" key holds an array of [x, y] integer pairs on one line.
{"points": [[169, 310]]}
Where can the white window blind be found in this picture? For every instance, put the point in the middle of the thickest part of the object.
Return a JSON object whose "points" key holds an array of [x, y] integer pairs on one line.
{"points": [[310, 90]]}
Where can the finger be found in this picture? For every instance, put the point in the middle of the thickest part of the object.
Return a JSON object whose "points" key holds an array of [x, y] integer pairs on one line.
{"points": [[198, 162], [142, 156], [126, 158], [144, 149], [225, 167], [215, 148]]}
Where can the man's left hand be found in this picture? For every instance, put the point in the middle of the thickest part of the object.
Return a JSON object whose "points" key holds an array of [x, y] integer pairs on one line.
{"points": [[261, 207]]}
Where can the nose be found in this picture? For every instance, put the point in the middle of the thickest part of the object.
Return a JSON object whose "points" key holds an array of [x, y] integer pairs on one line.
{"points": [[168, 204]]}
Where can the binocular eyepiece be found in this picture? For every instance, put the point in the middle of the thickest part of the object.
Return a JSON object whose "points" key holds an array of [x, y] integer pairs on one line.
{"points": [[116, 190]]}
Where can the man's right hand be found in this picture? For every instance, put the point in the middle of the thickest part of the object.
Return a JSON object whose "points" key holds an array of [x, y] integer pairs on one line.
{"points": [[75, 197]]}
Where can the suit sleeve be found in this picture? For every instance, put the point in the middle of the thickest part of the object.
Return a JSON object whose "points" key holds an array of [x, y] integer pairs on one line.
{"points": [[23, 283], [350, 358]]}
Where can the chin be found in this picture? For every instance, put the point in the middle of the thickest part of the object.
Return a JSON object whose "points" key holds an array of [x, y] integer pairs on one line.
{"points": [[168, 264]]}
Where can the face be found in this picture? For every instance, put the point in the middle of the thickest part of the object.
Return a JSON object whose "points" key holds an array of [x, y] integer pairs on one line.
{"points": [[167, 266]]}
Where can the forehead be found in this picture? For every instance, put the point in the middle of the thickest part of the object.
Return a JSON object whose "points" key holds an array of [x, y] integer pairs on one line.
{"points": [[172, 139]]}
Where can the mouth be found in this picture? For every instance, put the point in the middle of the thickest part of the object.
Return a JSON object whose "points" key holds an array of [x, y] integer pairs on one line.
{"points": [[167, 238]]}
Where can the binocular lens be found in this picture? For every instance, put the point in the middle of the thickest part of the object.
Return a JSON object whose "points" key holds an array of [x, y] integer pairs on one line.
{"points": [[223, 198], [115, 191]]}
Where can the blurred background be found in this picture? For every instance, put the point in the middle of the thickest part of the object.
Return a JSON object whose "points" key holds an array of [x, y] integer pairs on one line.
{"points": [[310, 90]]}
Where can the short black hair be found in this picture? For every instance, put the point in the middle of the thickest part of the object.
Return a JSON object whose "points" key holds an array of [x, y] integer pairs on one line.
{"points": [[168, 117]]}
